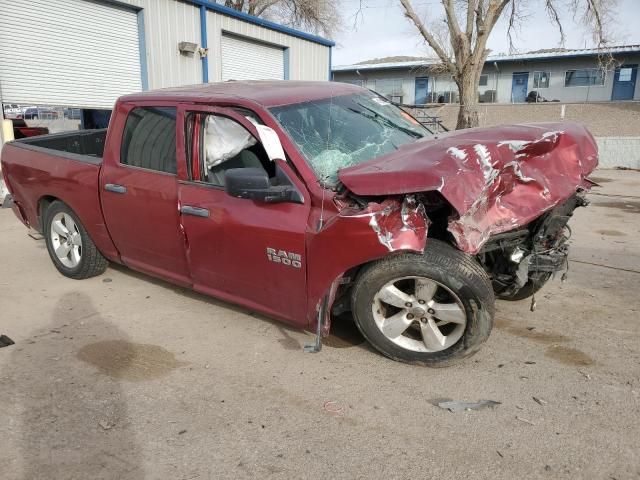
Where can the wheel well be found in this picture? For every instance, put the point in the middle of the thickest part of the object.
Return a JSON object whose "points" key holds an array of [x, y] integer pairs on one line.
{"points": [[43, 204], [438, 210]]}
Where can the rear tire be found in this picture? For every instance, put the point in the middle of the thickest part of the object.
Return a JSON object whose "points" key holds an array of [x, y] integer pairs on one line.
{"points": [[432, 309], [71, 249]]}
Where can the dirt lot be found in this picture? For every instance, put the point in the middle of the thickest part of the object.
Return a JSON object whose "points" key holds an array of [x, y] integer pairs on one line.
{"points": [[123, 376]]}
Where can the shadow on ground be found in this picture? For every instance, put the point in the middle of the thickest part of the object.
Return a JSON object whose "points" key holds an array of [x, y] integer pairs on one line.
{"points": [[71, 414]]}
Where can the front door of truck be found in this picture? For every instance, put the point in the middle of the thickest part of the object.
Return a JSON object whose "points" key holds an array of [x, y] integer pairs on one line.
{"points": [[139, 192], [238, 249]]}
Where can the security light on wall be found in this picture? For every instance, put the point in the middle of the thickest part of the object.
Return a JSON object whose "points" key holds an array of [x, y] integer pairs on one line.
{"points": [[187, 48]]}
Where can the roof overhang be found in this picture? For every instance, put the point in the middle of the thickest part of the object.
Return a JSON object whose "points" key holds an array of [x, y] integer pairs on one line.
{"points": [[588, 52], [214, 7]]}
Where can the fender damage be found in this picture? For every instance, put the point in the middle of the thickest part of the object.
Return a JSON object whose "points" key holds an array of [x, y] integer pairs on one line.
{"points": [[496, 179], [355, 236]]}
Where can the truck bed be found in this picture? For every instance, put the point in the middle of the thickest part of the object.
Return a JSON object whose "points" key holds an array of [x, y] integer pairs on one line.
{"points": [[83, 145], [64, 166]]}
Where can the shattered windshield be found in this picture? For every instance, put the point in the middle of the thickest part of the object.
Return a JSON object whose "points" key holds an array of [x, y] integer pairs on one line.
{"points": [[342, 131]]}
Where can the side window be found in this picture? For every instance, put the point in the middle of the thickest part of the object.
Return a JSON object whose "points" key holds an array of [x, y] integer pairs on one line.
{"points": [[149, 139], [218, 143]]}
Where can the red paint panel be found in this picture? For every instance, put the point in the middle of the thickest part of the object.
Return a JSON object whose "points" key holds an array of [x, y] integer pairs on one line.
{"points": [[228, 251], [33, 175], [144, 222]]}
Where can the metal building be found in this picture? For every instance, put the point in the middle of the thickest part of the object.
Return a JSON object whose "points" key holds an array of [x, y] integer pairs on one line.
{"points": [[86, 53]]}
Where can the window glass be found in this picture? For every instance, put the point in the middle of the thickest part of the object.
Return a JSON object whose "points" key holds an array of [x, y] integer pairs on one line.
{"points": [[541, 79], [219, 143], [484, 80], [390, 88], [625, 74], [338, 132], [149, 139], [583, 78]]}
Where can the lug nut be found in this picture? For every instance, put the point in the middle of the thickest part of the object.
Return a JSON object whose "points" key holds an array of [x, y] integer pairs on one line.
{"points": [[408, 305], [431, 311], [410, 316], [423, 320], [421, 302]]}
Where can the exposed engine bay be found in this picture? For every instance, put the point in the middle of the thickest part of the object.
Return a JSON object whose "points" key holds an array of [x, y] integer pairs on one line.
{"points": [[529, 256]]}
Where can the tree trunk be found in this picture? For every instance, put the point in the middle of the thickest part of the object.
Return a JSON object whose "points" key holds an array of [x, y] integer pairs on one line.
{"points": [[468, 91]]}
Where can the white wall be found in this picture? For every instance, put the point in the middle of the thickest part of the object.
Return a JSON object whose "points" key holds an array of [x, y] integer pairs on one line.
{"points": [[307, 60], [619, 152], [168, 22]]}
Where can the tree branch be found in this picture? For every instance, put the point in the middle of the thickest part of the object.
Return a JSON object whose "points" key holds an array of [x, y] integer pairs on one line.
{"points": [[555, 18], [471, 12], [458, 39], [430, 39]]}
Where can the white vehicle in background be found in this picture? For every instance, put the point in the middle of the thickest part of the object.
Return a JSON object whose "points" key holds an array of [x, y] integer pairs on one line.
{"points": [[13, 111]]}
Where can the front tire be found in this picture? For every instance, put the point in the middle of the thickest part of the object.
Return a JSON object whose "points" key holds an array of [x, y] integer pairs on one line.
{"points": [[433, 309], [71, 249]]}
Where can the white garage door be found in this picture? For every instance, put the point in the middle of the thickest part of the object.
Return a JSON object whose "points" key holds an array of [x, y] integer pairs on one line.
{"points": [[246, 60], [67, 52]]}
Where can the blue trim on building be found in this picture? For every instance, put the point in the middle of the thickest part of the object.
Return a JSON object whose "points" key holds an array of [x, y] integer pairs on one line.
{"points": [[261, 22], [330, 72], [203, 43], [285, 52], [142, 45]]}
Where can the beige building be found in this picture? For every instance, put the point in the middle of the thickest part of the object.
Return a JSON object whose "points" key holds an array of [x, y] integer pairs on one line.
{"points": [[86, 53]]}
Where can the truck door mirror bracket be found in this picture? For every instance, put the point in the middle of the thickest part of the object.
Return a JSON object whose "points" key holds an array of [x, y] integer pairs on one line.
{"points": [[254, 184]]}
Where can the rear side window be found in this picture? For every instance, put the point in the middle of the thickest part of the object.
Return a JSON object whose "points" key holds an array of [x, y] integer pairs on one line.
{"points": [[149, 139]]}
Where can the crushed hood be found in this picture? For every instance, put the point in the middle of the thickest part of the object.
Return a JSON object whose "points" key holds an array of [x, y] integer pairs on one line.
{"points": [[496, 179]]}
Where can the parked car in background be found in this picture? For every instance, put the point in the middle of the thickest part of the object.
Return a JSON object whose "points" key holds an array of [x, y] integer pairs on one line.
{"points": [[40, 113], [12, 111], [307, 199]]}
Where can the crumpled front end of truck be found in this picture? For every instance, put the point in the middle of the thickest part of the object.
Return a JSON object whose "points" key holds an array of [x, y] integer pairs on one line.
{"points": [[503, 194], [496, 180]]}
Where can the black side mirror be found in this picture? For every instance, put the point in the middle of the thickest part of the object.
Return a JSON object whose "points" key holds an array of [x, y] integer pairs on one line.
{"points": [[253, 183]]}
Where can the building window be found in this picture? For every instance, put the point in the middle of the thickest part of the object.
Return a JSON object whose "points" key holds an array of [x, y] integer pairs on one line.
{"points": [[390, 88], [584, 78], [484, 80], [625, 74], [149, 139], [541, 79]]}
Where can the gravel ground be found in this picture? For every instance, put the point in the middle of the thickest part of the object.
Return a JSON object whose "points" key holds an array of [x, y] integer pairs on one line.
{"points": [[123, 376]]}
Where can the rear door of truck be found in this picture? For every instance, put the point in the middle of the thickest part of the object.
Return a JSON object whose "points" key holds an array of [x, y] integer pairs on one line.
{"points": [[139, 190]]}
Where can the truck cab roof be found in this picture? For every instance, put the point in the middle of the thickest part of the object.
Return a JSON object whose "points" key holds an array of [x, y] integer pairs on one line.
{"points": [[268, 93]]}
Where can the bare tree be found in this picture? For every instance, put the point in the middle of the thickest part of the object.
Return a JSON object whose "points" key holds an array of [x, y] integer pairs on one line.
{"points": [[463, 49], [318, 16]]}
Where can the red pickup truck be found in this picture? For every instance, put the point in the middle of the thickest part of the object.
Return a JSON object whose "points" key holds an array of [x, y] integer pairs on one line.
{"points": [[307, 200]]}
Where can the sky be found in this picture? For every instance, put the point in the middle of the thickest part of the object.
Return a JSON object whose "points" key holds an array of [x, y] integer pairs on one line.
{"points": [[381, 30]]}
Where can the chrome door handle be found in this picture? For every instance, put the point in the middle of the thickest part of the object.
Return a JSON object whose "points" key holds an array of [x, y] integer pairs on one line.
{"points": [[195, 211], [112, 187]]}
